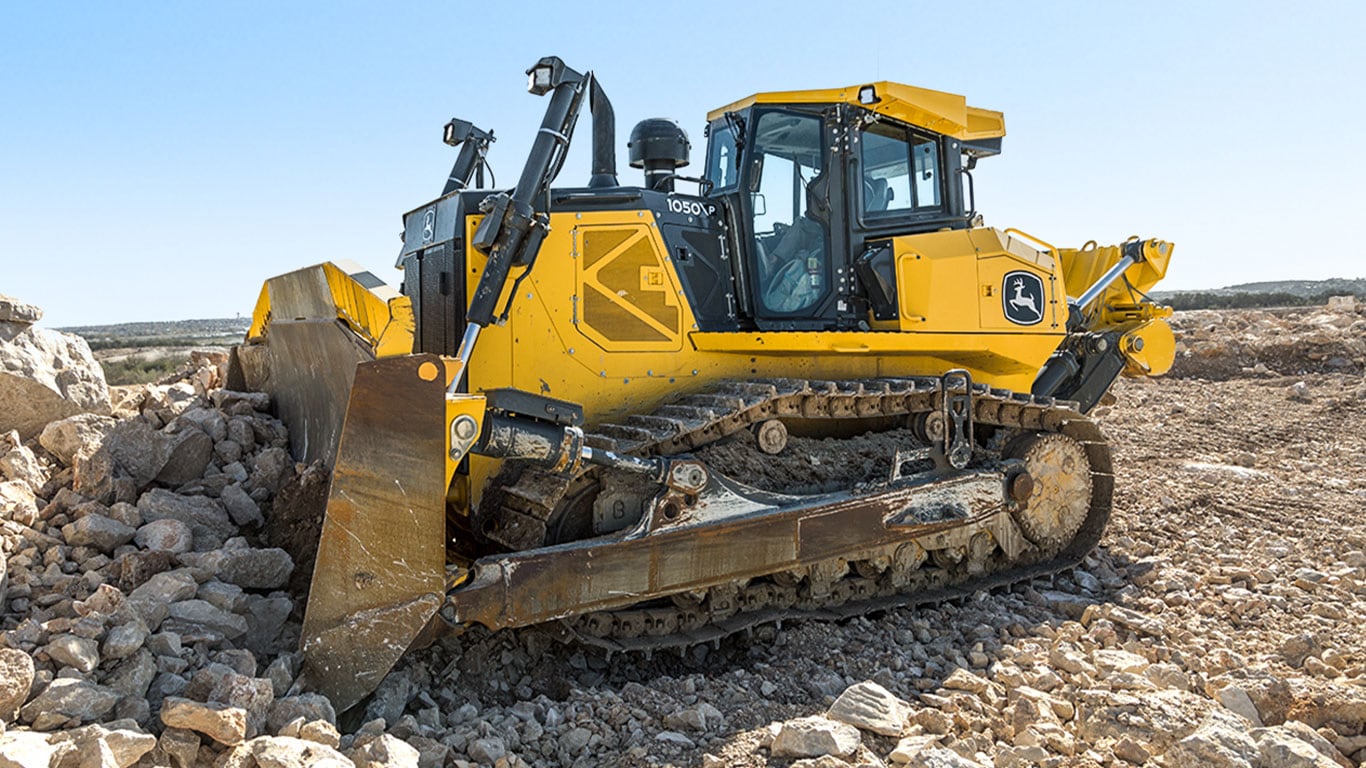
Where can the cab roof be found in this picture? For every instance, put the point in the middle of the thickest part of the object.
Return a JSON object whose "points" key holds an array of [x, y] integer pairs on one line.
{"points": [[938, 111]]}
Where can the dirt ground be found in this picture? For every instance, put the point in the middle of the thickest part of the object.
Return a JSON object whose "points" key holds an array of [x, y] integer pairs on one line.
{"points": [[1234, 569]]}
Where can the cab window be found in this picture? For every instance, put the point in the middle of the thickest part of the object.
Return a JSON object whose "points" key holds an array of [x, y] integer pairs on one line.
{"points": [[900, 170], [786, 183], [722, 169]]}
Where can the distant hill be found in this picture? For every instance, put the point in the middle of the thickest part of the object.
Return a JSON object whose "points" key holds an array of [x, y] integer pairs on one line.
{"points": [[1278, 293], [1336, 286], [174, 333]]}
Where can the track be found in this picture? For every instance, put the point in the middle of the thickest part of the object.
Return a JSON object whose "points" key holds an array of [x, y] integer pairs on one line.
{"points": [[529, 505]]}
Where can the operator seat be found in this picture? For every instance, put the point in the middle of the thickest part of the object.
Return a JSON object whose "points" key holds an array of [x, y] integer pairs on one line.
{"points": [[879, 195]]}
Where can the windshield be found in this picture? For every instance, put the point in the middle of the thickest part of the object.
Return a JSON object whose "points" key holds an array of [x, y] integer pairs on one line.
{"points": [[722, 170]]}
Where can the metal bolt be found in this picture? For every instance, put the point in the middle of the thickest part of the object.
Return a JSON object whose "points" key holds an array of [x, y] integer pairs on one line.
{"points": [[1021, 487]]}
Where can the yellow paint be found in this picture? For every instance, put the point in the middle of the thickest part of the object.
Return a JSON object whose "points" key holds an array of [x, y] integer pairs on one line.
{"points": [[938, 111], [550, 345], [378, 314], [458, 405], [427, 371], [1121, 303], [1149, 349]]}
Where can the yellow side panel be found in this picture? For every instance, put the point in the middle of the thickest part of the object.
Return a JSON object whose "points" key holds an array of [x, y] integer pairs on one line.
{"points": [[938, 272]]}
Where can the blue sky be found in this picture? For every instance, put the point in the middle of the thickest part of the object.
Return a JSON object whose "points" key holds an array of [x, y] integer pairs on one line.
{"points": [[159, 160]]}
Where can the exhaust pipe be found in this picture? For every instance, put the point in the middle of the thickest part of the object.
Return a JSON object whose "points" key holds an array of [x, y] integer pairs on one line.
{"points": [[604, 137]]}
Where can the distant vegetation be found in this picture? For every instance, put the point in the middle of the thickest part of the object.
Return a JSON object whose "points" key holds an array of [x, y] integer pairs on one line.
{"points": [[1283, 293], [180, 333], [140, 370], [110, 342], [1210, 300]]}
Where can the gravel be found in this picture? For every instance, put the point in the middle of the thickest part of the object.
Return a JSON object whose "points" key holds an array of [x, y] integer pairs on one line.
{"points": [[1217, 623]]}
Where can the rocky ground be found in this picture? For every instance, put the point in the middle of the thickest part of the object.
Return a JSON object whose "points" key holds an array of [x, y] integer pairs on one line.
{"points": [[148, 620]]}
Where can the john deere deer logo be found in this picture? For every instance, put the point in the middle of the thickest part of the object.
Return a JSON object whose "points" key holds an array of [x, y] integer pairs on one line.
{"points": [[1022, 297]]}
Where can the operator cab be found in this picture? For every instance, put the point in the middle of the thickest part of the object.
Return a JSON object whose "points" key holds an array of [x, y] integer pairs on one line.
{"points": [[818, 182]]}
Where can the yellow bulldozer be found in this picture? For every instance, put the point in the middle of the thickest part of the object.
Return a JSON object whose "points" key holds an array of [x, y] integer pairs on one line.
{"points": [[817, 386]]}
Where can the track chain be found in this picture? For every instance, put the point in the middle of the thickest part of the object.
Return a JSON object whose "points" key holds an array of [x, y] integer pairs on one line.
{"points": [[522, 499]]}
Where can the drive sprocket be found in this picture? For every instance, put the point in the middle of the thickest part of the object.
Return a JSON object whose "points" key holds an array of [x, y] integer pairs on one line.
{"points": [[1061, 498]]}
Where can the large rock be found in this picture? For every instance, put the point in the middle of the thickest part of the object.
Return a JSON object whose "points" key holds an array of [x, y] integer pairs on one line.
{"points": [[256, 568], [124, 640], [813, 737], [25, 749], [206, 517], [241, 507], [220, 722], [16, 678], [1154, 721], [102, 533], [18, 313], [273, 467], [306, 706], [46, 375], [80, 653], [187, 454], [133, 676], [67, 699], [180, 745], [1221, 741], [18, 503], [1282, 747], [17, 462], [284, 752], [136, 450], [193, 617], [153, 598], [255, 695], [166, 535], [124, 746], [384, 751], [870, 707], [79, 434]]}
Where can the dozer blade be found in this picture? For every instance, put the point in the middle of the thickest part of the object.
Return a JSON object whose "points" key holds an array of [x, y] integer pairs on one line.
{"points": [[310, 329], [380, 572]]}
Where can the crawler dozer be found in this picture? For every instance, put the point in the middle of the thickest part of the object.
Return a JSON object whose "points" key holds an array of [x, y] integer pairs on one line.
{"points": [[816, 386]]}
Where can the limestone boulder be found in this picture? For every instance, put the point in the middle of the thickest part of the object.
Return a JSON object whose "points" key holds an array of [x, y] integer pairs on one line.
{"points": [[220, 722], [384, 751], [285, 752], [870, 707], [16, 678], [82, 433], [18, 313], [25, 749], [815, 737], [207, 519], [125, 746], [45, 375], [17, 462], [67, 699], [17, 502]]}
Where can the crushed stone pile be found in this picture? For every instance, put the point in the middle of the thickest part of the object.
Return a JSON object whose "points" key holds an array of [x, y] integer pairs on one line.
{"points": [[151, 613], [1221, 344]]}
